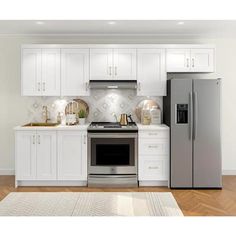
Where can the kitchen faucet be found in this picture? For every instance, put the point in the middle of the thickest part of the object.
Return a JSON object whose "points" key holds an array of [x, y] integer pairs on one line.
{"points": [[45, 109]]}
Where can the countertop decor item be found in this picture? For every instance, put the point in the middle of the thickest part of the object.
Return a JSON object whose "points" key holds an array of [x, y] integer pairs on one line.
{"points": [[82, 117], [144, 104]]}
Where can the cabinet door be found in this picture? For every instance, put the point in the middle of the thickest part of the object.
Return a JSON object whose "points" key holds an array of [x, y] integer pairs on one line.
{"points": [[72, 155], [101, 64], [75, 72], [202, 60], [51, 72], [46, 155], [151, 75], [124, 66], [25, 155], [31, 60], [178, 60]]}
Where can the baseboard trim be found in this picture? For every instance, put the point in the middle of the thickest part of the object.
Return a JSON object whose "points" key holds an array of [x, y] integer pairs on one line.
{"points": [[160, 183], [7, 172], [50, 183], [229, 172]]}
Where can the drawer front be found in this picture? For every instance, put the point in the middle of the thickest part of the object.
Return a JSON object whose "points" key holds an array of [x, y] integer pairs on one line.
{"points": [[152, 169], [154, 134], [153, 147]]}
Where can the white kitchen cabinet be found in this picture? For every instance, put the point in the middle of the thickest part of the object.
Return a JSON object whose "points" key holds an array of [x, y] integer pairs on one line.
{"points": [[101, 64], [36, 155], [25, 149], [117, 64], [124, 64], [153, 159], [202, 60], [46, 155], [72, 155], [190, 60], [75, 72], [151, 72], [31, 60], [40, 72], [51, 67]]}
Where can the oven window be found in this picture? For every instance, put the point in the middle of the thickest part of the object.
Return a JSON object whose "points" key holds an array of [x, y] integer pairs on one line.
{"points": [[112, 154]]}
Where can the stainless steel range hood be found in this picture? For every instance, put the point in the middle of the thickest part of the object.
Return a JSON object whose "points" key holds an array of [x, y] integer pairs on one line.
{"points": [[113, 84]]}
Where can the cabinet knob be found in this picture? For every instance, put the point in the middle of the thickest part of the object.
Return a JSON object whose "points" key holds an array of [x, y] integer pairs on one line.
{"points": [[38, 86], [44, 86], [192, 62], [109, 70], [38, 139], [115, 70], [86, 86], [33, 139], [187, 62], [85, 139], [139, 86]]}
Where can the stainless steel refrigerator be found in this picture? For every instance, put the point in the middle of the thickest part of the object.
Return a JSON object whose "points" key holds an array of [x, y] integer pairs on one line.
{"points": [[192, 110]]}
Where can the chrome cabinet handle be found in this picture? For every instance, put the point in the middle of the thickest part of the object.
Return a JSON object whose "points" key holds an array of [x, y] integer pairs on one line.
{"points": [[152, 133], [187, 62], [33, 139], [192, 62], [84, 139], [115, 70], [87, 86], [153, 167], [139, 86], [38, 86], [38, 139], [44, 86], [109, 70], [153, 146]]}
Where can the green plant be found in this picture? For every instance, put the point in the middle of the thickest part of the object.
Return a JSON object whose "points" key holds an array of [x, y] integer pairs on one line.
{"points": [[82, 113]]}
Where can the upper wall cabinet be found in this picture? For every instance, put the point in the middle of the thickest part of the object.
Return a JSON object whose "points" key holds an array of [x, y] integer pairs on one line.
{"points": [[117, 64], [151, 71], [190, 60], [74, 72], [40, 72]]}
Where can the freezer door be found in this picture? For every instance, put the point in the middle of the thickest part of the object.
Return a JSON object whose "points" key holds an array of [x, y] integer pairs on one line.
{"points": [[206, 134], [181, 133]]}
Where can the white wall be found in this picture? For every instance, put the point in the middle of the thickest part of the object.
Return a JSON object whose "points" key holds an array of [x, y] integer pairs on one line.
{"points": [[13, 107]]}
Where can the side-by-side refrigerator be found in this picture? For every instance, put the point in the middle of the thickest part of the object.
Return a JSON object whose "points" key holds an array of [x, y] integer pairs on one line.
{"points": [[192, 110]]}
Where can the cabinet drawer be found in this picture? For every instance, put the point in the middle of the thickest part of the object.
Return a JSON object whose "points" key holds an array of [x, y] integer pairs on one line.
{"points": [[152, 169], [153, 147], [154, 134]]}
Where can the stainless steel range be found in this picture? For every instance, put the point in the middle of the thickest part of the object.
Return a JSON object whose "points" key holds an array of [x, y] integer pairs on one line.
{"points": [[112, 155]]}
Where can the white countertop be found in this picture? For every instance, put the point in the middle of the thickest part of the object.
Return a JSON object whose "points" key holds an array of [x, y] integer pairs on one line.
{"points": [[152, 127], [58, 127]]}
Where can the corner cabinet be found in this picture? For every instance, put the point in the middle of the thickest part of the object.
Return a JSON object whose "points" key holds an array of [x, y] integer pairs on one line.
{"points": [[117, 64], [72, 155], [153, 162], [40, 72], [190, 60], [151, 72]]}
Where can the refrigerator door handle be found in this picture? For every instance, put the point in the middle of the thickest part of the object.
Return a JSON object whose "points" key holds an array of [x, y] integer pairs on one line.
{"points": [[195, 111], [190, 115]]}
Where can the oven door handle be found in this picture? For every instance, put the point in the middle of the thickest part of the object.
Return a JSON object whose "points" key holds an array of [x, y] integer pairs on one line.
{"points": [[112, 135], [112, 176]]}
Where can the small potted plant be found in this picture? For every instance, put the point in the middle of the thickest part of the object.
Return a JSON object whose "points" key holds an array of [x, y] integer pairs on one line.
{"points": [[82, 115]]}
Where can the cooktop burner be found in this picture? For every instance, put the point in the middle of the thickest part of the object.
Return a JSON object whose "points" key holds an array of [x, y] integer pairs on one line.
{"points": [[112, 126]]}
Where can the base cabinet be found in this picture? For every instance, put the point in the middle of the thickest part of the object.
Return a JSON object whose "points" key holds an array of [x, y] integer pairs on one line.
{"points": [[51, 158], [36, 155], [72, 155], [153, 163]]}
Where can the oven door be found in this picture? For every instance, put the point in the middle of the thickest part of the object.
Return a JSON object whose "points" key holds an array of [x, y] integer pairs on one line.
{"points": [[112, 153]]}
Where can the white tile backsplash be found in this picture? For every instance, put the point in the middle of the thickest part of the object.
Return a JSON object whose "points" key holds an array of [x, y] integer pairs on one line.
{"points": [[102, 104]]}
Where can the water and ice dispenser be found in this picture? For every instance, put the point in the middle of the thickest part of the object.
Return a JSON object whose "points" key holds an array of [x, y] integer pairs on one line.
{"points": [[181, 113]]}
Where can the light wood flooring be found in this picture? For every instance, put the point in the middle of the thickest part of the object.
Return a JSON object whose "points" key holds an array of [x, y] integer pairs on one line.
{"points": [[192, 202]]}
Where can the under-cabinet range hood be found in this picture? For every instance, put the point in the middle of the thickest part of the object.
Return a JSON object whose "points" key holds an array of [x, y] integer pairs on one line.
{"points": [[113, 84]]}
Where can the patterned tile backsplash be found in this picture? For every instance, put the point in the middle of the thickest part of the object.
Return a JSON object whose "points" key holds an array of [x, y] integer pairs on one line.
{"points": [[102, 105]]}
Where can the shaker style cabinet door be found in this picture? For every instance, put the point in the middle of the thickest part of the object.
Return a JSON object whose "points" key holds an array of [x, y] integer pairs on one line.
{"points": [[25, 155], [46, 155], [51, 68], [72, 155], [31, 62], [101, 64], [178, 60], [75, 72], [124, 64], [202, 60], [151, 73]]}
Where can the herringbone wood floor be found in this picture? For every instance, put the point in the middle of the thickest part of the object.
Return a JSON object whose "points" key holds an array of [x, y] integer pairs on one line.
{"points": [[192, 202]]}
